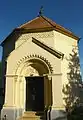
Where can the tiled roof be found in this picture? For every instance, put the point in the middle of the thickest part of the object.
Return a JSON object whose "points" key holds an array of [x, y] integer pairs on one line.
{"points": [[40, 24], [43, 22]]}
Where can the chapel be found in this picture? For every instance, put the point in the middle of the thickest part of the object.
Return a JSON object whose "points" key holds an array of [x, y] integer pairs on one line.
{"points": [[35, 69]]}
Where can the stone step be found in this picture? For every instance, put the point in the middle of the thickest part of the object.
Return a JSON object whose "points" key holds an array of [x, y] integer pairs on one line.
{"points": [[30, 118], [31, 115]]}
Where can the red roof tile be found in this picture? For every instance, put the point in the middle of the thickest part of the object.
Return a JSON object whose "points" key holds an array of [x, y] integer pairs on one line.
{"points": [[43, 22]]}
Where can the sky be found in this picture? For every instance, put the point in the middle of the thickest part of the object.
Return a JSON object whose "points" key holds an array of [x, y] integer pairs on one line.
{"points": [[68, 13]]}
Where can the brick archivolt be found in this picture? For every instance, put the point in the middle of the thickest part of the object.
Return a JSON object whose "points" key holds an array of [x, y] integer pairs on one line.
{"points": [[33, 64]]}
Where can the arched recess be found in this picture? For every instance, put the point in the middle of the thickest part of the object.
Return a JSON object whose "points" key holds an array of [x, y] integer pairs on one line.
{"points": [[34, 61], [33, 65]]}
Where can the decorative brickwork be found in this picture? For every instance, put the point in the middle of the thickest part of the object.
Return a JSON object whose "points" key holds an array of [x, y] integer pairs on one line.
{"points": [[25, 37], [34, 57]]}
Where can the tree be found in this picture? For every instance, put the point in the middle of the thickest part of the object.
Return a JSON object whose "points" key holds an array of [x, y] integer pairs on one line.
{"points": [[72, 90], [1, 90], [0, 68], [0, 73], [0, 87]]}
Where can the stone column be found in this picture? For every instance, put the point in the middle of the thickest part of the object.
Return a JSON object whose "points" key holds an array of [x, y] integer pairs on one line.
{"points": [[17, 93], [24, 93], [50, 90], [14, 92], [20, 95], [21, 82], [22, 89], [46, 101]]}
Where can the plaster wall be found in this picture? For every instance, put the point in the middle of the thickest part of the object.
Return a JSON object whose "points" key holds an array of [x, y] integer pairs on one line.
{"points": [[29, 48], [64, 44], [25, 47], [46, 37]]}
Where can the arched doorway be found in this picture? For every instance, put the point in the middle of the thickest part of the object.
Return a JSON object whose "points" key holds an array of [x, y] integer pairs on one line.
{"points": [[35, 71], [35, 85]]}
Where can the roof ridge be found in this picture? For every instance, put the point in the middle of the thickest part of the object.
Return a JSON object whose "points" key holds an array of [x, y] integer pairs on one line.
{"points": [[48, 20]]}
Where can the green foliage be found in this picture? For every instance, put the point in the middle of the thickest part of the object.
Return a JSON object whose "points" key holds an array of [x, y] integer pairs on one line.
{"points": [[0, 70], [0, 65], [73, 89]]}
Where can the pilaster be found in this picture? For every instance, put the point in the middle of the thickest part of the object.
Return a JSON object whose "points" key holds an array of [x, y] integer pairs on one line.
{"points": [[57, 99], [10, 90]]}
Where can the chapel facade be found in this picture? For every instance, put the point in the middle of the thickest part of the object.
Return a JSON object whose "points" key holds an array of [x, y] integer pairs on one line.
{"points": [[35, 69]]}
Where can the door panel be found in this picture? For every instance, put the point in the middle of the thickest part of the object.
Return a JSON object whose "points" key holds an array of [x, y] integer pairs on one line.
{"points": [[35, 93]]}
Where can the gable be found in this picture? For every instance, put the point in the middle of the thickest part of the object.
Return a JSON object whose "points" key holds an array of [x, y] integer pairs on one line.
{"points": [[29, 45], [46, 37], [30, 48]]}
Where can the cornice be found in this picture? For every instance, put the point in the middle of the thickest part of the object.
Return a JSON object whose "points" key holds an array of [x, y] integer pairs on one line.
{"points": [[47, 48]]}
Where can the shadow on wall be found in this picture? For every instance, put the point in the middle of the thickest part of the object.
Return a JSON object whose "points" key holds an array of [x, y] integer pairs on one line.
{"points": [[1, 89], [8, 46], [59, 115], [61, 118], [73, 90], [2, 86]]}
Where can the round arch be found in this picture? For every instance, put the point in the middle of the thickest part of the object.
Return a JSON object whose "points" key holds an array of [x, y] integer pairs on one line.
{"points": [[33, 65]]}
